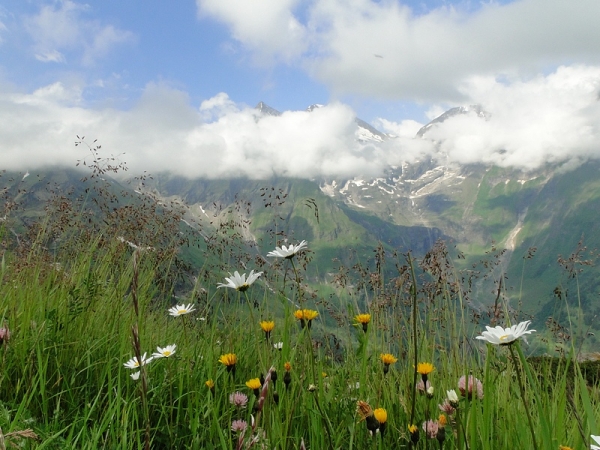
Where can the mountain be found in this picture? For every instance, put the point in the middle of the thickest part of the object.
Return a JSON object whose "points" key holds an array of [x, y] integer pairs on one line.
{"points": [[537, 231]]}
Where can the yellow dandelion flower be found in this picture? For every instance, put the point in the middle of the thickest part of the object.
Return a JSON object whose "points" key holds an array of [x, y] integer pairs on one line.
{"points": [[363, 319], [380, 414], [299, 314], [564, 447], [388, 358], [254, 383], [425, 368], [324, 374], [210, 384], [287, 366], [309, 314], [228, 359], [267, 325]]}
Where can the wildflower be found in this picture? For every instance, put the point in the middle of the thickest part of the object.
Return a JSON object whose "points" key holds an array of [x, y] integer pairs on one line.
{"points": [[169, 350], [239, 282], [452, 397], [366, 413], [354, 386], [238, 426], [441, 434], [305, 315], [381, 417], [310, 314], [4, 334], [229, 360], [431, 429], [430, 392], [466, 389], [364, 320], [597, 439], [278, 345], [288, 252], [133, 363], [255, 385], [210, 384], [564, 447], [135, 375], [238, 399], [424, 368], [423, 387], [267, 326], [505, 336], [312, 388], [287, 376], [414, 433], [387, 359], [447, 407], [180, 310]]}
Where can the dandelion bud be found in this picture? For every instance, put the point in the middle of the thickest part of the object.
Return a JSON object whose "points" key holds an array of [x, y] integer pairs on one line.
{"points": [[430, 392], [287, 379], [441, 435], [414, 434]]}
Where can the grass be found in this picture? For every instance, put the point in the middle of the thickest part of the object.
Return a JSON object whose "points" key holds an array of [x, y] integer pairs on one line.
{"points": [[73, 314], [71, 331]]}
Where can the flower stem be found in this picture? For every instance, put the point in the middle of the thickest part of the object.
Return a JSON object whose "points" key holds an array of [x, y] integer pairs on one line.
{"points": [[413, 290], [522, 388]]}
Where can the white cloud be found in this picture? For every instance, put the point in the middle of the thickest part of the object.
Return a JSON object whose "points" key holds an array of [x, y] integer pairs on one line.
{"points": [[163, 132], [382, 49], [553, 118], [268, 27], [61, 30], [546, 119]]}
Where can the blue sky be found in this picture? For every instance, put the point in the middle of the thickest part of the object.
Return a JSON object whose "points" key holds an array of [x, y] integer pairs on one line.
{"points": [[183, 77]]}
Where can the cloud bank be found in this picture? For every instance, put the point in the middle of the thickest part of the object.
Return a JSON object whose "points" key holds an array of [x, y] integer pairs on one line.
{"points": [[384, 49], [546, 119]]}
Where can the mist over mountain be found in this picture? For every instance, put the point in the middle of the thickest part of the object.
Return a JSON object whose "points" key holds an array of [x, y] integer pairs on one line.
{"points": [[550, 119]]}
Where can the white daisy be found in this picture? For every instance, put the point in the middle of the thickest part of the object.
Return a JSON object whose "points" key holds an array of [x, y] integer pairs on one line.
{"points": [[278, 345], [288, 252], [135, 375], [133, 363], [169, 350], [452, 397], [239, 282], [505, 336], [597, 439], [180, 310]]}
